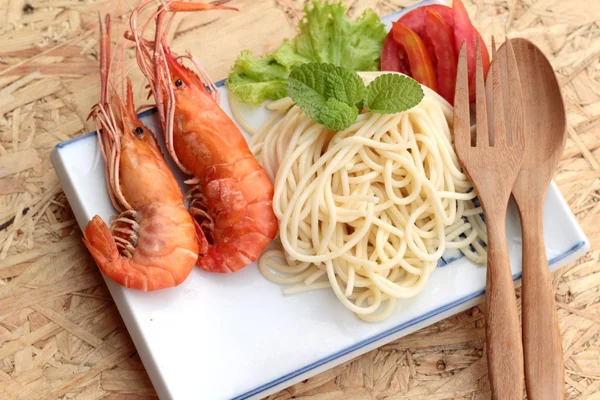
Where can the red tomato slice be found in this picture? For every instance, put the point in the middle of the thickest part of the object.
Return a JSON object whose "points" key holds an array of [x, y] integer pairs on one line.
{"points": [[462, 30], [393, 56], [415, 19], [442, 39], [421, 67]]}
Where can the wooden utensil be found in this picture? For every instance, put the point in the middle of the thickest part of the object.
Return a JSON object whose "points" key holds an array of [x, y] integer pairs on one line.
{"points": [[545, 130], [493, 162]]}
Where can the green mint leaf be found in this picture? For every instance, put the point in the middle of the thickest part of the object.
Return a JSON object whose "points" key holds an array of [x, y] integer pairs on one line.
{"points": [[305, 96], [345, 85], [392, 93], [312, 85], [307, 86], [336, 115]]}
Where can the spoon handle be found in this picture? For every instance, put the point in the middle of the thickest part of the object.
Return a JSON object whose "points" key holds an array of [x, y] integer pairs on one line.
{"points": [[544, 369], [503, 333]]}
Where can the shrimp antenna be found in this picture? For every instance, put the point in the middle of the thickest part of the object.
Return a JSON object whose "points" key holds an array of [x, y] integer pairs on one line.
{"points": [[142, 53], [104, 56], [107, 125], [104, 119], [162, 77]]}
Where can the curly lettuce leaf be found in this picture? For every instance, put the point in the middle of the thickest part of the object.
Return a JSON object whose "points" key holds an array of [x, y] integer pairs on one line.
{"points": [[254, 80], [327, 35]]}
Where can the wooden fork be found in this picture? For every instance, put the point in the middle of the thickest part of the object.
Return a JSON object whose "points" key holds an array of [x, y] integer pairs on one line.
{"points": [[492, 160]]}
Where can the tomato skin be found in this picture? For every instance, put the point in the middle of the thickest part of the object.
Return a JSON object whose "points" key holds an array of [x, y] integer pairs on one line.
{"points": [[442, 38], [415, 19], [421, 66], [446, 22], [393, 56]]}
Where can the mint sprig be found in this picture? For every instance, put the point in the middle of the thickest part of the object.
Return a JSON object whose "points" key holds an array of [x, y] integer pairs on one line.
{"points": [[392, 93], [333, 96], [312, 85]]}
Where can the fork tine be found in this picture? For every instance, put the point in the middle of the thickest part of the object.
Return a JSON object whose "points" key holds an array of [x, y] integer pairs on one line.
{"points": [[462, 125], [499, 132], [482, 138], [515, 106], [506, 97], [488, 92]]}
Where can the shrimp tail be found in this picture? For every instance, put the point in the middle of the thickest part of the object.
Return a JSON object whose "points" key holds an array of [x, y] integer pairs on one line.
{"points": [[103, 248], [100, 243], [134, 272], [202, 240]]}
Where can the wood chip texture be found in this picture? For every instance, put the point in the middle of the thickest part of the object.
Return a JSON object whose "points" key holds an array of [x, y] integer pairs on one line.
{"points": [[61, 336]]}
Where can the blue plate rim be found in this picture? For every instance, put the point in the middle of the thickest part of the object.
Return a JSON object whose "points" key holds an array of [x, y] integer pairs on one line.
{"points": [[390, 331]]}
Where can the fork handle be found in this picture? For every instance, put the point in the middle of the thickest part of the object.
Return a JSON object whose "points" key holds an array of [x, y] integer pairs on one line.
{"points": [[503, 333], [542, 343]]}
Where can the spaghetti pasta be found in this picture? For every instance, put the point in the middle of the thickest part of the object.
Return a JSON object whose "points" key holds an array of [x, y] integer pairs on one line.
{"points": [[368, 211]]}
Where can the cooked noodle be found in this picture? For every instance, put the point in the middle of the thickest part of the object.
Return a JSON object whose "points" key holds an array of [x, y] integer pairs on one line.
{"points": [[368, 211]]}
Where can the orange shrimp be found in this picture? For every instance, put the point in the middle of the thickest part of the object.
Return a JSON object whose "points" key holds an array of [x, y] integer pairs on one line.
{"points": [[152, 244], [230, 195]]}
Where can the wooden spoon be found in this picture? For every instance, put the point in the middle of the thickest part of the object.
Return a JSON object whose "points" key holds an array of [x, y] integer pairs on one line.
{"points": [[545, 133]]}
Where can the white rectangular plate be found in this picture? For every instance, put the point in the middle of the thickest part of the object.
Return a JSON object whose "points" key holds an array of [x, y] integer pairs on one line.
{"points": [[237, 336]]}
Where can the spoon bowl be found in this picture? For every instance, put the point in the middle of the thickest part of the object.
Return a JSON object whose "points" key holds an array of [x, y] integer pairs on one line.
{"points": [[545, 117], [545, 132]]}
